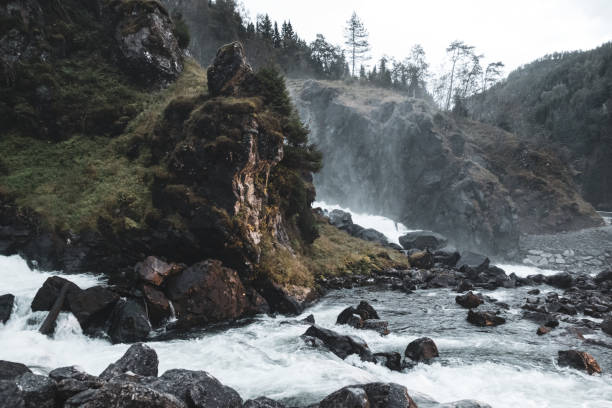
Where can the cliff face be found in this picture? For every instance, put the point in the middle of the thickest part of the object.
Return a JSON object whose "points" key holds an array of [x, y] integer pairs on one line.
{"points": [[388, 154]]}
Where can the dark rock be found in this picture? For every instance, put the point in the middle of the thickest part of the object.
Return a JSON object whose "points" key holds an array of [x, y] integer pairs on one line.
{"points": [[10, 370], [6, 307], [279, 299], [158, 307], [579, 360], [422, 349], [474, 261], [10, 395], [207, 292], [257, 303], [370, 234], [423, 240], [146, 41], [262, 402], [534, 292], [197, 389], [606, 326], [380, 326], [129, 322], [92, 306], [543, 330], [36, 390], [228, 71], [552, 323], [484, 318], [49, 291], [123, 395], [448, 256], [366, 311], [465, 404], [340, 219], [422, 260], [377, 395], [469, 300], [310, 319], [604, 276], [345, 316], [391, 360], [339, 344], [561, 280], [154, 271], [464, 286], [71, 381], [139, 359]]}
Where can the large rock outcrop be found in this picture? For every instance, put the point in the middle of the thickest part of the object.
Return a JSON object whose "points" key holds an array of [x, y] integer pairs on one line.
{"points": [[434, 174]]}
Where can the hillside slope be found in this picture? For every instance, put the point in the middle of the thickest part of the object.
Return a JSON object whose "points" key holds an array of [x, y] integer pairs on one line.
{"points": [[562, 101], [388, 154]]}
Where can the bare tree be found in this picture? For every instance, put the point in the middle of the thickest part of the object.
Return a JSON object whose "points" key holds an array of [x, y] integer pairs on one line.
{"points": [[357, 42], [458, 52], [491, 75]]}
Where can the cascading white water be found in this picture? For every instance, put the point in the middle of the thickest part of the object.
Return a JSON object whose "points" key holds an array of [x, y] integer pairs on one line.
{"points": [[506, 366]]}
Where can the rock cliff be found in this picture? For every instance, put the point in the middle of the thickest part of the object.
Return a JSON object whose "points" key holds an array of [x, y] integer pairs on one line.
{"points": [[388, 154]]}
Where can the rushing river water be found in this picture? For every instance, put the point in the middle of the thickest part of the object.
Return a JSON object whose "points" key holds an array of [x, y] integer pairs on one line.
{"points": [[505, 366]]}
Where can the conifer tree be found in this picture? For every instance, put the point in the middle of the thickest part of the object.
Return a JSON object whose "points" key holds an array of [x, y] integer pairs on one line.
{"points": [[357, 43], [276, 38]]}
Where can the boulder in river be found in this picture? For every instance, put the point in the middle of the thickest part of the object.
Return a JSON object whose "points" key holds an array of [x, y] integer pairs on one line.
{"points": [[562, 280], [469, 300], [139, 359], [38, 391], [158, 306], [129, 322], [197, 389], [10, 370], [47, 294], [471, 260], [464, 404], [6, 307], [207, 292], [484, 319], [366, 311], [448, 256], [370, 234], [422, 349], [606, 325], [92, 306], [340, 219], [579, 360], [123, 394], [340, 345], [262, 402], [421, 259], [423, 240], [380, 326], [278, 299], [392, 360], [11, 395], [372, 395], [154, 271], [542, 330], [71, 381]]}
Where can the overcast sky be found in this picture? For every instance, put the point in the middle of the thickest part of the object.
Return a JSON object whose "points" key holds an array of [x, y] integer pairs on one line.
{"points": [[515, 32]]}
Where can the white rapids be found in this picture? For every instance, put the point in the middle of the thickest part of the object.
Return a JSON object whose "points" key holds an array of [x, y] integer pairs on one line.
{"points": [[507, 366]]}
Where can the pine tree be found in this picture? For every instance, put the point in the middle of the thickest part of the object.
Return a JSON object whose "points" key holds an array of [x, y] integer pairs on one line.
{"points": [[276, 38], [356, 37], [362, 72], [287, 34], [264, 25]]}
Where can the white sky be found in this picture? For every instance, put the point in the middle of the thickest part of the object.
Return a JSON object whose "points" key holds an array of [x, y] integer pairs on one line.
{"points": [[515, 32]]}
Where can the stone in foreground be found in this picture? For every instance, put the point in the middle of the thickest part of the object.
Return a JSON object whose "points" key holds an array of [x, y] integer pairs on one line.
{"points": [[580, 360]]}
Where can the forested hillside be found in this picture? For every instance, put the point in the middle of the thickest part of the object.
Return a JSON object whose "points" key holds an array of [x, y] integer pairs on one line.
{"points": [[564, 101]]}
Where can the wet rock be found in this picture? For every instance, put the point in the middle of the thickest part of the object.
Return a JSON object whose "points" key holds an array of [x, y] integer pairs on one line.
{"points": [[340, 219], [72, 381], [370, 234], [422, 260], [139, 359], [70, 372], [228, 71], [473, 261], [579, 360], [158, 307], [465, 404], [262, 402], [207, 292], [558, 307], [257, 304], [310, 319], [92, 306], [391, 360], [129, 322], [534, 292], [347, 316], [10, 395], [37, 391], [542, 330], [606, 326], [49, 291], [423, 240], [380, 326], [154, 271], [422, 349], [469, 300], [279, 300], [10, 370], [464, 286], [604, 276], [366, 311], [448, 256], [377, 395], [484, 318], [146, 41], [123, 395], [6, 307], [197, 389], [562, 280], [339, 344]]}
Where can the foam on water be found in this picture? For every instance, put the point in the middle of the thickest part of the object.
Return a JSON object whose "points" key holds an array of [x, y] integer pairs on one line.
{"points": [[523, 271], [391, 229], [506, 366]]}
